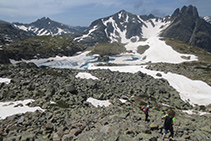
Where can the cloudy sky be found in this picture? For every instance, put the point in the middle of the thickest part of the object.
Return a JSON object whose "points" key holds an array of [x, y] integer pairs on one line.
{"points": [[83, 12]]}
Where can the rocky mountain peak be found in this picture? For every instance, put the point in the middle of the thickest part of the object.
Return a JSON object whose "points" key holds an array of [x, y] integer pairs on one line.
{"points": [[188, 27], [190, 10], [185, 12]]}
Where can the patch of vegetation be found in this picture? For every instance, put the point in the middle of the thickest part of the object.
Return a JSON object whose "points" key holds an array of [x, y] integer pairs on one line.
{"points": [[108, 49], [61, 104], [142, 49]]}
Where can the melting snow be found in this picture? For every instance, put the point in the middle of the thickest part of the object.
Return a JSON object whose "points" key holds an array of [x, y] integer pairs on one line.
{"points": [[85, 75], [11, 108], [5, 80], [80, 61], [97, 103], [160, 52], [195, 92], [87, 35]]}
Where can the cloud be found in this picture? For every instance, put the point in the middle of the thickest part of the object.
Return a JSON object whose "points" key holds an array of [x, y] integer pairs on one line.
{"points": [[192, 0], [157, 12], [47, 7]]}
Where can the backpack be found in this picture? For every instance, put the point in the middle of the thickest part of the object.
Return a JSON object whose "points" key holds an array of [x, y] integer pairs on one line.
{"points": [[145, 110], [168, 122]]}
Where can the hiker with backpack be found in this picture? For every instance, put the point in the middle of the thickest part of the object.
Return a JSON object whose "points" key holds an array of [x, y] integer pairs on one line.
{"points": [[169, 122], [146, 112]]}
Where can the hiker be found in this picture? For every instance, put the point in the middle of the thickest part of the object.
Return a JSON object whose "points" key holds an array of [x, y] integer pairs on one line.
{"points": [[168, 123], [146, 112]]}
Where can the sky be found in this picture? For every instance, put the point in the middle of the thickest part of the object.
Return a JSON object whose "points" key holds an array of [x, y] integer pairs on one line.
{"points": [[84, 12]]}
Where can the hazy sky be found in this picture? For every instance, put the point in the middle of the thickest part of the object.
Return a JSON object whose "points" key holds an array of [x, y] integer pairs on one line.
{"points": [[83, 12]]}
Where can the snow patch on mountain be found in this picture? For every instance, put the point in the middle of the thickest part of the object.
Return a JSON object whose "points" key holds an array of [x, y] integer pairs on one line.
{"points": [[153, 27], [86, 35], [118, 34], [160, 52], [208, 19]]}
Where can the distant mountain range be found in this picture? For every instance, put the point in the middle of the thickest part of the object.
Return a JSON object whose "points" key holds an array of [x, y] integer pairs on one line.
{"points": [[46, 26], [184, 25]]}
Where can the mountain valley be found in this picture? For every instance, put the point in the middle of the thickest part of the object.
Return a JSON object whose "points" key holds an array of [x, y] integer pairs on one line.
{"points": [[88, 83]]}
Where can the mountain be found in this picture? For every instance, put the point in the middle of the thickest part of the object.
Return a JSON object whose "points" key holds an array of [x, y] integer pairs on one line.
{"points": [[120, 27], [2, 21], [46, 26], [187, 26], [184, 25], [8, 33]]}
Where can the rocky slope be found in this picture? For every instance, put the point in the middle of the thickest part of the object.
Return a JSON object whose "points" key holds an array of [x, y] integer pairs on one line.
{"points": [[73, 118]]}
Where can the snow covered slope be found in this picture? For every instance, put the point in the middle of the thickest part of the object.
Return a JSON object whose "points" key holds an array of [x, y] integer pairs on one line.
{"points": [[122, 27]]}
